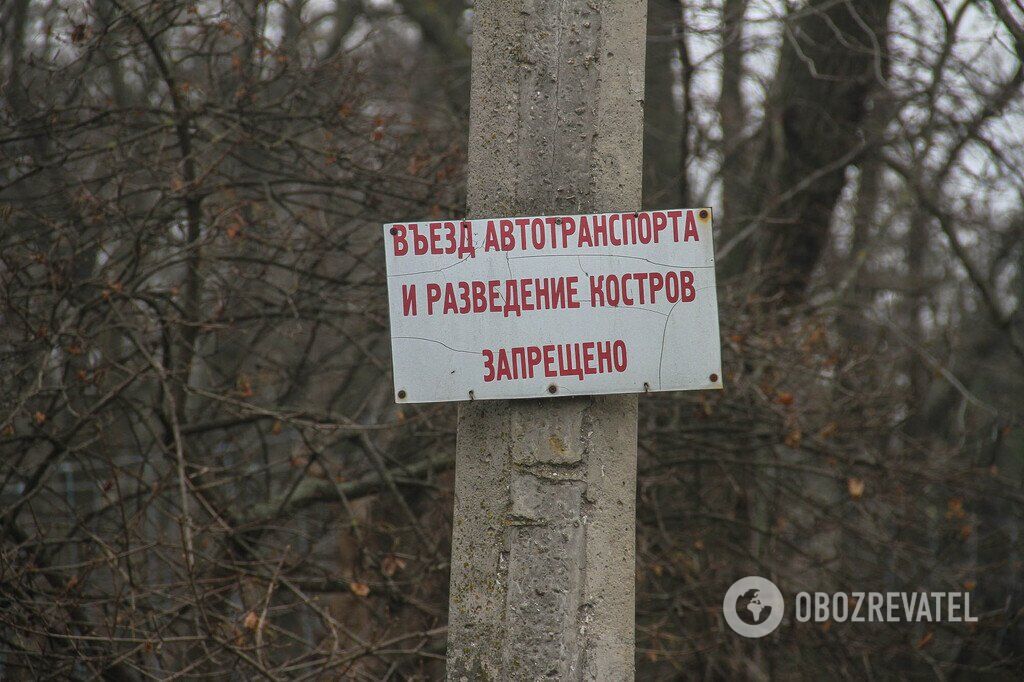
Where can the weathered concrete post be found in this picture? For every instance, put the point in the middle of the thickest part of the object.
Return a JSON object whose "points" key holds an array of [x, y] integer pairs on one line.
{"points": [[543, 550]]}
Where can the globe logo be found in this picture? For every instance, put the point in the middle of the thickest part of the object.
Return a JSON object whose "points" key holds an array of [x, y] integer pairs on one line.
{"points": [[751, 609], [753, 606]]}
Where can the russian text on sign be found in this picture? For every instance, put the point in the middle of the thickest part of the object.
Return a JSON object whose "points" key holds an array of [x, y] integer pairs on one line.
{"points": [[553, 305]]}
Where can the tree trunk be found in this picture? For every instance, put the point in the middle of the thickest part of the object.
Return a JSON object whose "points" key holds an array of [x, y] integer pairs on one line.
{"points": [[732, 114], [831, 58], [664, 169]]}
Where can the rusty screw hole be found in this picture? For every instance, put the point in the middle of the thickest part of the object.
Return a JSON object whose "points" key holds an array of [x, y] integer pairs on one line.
{"points": [[552, 389], [401, 395], [703, 214], [714, 378], [472, 396]]}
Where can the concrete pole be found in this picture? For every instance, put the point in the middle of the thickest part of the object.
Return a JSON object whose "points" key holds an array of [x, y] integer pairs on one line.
{"points": [[543, 549]]}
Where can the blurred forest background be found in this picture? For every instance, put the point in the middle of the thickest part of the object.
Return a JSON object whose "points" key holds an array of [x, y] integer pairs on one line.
{"points": [[202, 471]]}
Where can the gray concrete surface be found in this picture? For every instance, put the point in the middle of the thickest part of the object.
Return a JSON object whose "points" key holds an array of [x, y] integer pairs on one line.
{"points": [[543, 550]]}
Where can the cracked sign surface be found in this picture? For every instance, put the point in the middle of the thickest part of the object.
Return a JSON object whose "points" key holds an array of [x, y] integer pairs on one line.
{"points": [[550, 306]]}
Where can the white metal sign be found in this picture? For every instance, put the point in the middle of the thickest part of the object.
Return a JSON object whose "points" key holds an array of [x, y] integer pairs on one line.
{"points": [[553, 305]]}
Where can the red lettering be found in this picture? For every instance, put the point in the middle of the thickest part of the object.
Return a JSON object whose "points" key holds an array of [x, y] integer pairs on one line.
{"points": [[691, 228], [688, 291], [488, 365], [398, 241], [433, 296], [491, 238], [408, 300], [577, 359]]}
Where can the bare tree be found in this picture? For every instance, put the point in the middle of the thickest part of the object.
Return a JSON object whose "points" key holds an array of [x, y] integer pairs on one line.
{"points": [[202, 473]]}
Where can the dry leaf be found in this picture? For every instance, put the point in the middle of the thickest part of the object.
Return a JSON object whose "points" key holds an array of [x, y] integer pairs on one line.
{"points": [[856, 487], [245, 386], [40, 417], [784, 398], [251, 621], [828, 430], [359, 589], [816, 336], [391, 564]]}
